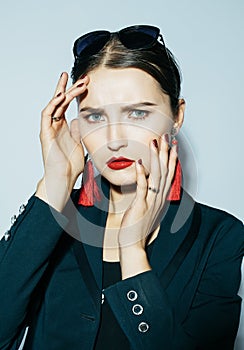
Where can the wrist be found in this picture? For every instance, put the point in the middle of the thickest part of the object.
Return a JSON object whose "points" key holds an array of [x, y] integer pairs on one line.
{"points": [[54, 191], [133, 260]]}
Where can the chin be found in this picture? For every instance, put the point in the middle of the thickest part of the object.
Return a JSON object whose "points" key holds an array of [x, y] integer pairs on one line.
{"points": [[123, 177]]}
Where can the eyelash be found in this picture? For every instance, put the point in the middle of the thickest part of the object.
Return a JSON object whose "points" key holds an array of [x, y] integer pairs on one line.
{"points": [[146, 113], [89, 116]]}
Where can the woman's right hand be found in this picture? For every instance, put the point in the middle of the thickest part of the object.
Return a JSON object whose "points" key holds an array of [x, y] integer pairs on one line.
{"points": [[62, 151]]}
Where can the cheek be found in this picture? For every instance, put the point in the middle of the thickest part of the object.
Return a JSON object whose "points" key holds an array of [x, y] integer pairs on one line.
{"points": [[93, 139], [96, 147]]}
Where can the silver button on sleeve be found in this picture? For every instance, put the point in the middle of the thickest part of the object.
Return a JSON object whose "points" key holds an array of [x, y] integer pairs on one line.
{"points": [[132, 295], [21, 209], [137, 309], [7, 236], [143, 327], [13, 219]]}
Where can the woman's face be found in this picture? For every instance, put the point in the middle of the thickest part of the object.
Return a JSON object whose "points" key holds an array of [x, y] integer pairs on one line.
{"points": [[121, 113]]}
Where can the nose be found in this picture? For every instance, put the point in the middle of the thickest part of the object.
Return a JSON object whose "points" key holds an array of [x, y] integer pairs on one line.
{"points": [[116, 137]]}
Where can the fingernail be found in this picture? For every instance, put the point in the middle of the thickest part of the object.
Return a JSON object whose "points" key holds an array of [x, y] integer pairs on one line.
{"points": [[61, 74], [80, 85], [139, 161], [83, 76], [174, 142], [155, 142], [59, 94], [166, 137]]}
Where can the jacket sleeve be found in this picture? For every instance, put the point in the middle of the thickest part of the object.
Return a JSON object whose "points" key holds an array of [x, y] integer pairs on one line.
{"points": [[143, 310], [24, 255]]}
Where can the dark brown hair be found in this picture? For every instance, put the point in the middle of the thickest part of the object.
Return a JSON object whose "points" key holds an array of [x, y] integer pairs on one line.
{"points": [[157, 61]]}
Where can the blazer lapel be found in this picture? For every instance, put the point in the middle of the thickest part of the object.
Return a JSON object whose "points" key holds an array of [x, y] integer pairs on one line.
{"points": [[173, 229], [90, 224], [91, 269]]}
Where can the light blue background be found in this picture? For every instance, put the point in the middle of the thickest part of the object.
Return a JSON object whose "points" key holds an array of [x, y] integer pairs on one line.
{"points": [[207, 38]]}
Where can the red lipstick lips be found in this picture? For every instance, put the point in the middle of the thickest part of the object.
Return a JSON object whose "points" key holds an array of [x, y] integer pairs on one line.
{"points": [[119, 163]]}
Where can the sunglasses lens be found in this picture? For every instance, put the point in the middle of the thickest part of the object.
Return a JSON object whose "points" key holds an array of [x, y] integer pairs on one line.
{"points": [[139, 37], [135, 37], [91, 43]]}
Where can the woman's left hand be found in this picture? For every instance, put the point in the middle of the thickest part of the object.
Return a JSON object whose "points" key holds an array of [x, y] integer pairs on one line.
{"points": [[142, 217]]}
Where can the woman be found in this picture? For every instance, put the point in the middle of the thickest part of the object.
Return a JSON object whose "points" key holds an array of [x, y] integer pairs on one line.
{"points": [[99, 268]]}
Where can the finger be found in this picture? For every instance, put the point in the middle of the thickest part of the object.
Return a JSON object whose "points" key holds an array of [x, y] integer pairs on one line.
{"points": [[56, 100], [70, 94], [49, 110], [163, 160], [141, 189], [75, 130], [155, 171], [72, 91], [58, 113], [84, 79], [62, 83], [77, 89], [53, 113], [164, 152]]}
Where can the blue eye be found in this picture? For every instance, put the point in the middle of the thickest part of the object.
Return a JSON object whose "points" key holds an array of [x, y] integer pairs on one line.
{"points": [[94, 118], [138, 114]]}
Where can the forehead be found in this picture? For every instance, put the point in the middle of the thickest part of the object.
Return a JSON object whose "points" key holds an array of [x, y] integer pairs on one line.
{"points": [[129, 85]]}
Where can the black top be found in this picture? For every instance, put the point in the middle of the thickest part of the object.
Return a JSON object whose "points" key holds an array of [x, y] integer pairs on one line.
{"points": [[110, 334]]}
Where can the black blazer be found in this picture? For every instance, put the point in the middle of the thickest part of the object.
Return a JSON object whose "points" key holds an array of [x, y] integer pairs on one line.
{"points": [[52, 282]]}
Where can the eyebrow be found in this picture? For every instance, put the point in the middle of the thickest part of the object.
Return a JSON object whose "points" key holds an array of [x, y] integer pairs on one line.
{"points": [[138, 105], [123, 109], [91, 110]]}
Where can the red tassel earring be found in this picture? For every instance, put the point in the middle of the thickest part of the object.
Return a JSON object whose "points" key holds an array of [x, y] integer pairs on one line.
{"points": [[175, 190], [89, 192]]}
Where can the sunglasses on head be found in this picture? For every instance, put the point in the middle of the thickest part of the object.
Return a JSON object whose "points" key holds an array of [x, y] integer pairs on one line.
{"points": [[135, 38]]}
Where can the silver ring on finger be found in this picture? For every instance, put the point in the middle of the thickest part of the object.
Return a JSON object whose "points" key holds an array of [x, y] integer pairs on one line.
{"points": [[153, 189], [57, 119]]}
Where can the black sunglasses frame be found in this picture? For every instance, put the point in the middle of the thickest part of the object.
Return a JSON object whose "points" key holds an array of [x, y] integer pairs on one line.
{"points": [[93, 42]]}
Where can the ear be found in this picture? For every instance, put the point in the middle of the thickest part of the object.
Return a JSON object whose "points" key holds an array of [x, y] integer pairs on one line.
{"points": [[75, 130], [179, 117]]}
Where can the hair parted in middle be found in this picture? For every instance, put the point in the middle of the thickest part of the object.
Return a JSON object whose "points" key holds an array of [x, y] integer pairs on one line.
{"points": [[161, 65]]}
